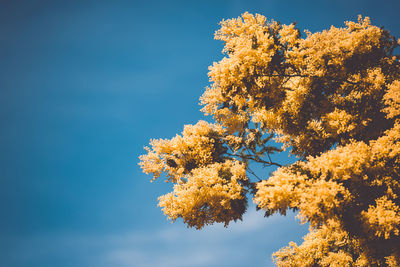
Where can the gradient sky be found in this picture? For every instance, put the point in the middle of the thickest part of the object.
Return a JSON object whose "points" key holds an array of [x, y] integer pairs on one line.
{"points": [[84, 85]]}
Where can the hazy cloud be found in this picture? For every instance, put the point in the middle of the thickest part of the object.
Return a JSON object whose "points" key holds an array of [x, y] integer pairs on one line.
{"points": [[173, 246]]}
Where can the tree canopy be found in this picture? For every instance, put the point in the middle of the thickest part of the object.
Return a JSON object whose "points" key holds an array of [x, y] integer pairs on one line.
{"points": [[332, 98]]}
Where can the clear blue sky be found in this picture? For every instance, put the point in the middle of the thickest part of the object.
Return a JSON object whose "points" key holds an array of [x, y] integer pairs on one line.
{"points": [[84, 85]]}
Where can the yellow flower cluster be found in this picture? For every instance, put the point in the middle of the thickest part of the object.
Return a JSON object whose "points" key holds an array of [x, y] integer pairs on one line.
{"points": [[392, 100], [213, 193], [316, 199], [196, 147], [208, 186], [251, 46], [331, 245], [356, 186], [383, 218], [301, 89], [327, 246]]}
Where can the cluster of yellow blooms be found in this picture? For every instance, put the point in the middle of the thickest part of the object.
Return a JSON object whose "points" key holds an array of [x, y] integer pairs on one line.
{"points": [[212, 193], [197, 147], [208, 187], [333, 99]]}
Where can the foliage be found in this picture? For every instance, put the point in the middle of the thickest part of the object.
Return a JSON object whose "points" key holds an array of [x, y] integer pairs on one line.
{"points": [[333, 99]]}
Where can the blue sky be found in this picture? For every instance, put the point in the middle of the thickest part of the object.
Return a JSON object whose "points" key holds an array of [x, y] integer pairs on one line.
{"points": [[84, 85]]}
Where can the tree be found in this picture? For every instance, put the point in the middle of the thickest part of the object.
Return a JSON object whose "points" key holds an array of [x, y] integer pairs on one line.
{"points": [[333, 99]]}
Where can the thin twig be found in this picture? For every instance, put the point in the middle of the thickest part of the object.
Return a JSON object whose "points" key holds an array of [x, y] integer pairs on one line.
{"points": [[253, 173]]}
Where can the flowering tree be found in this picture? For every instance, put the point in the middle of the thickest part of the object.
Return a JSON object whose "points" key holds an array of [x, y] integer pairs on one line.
{"points": [[333, 99]]}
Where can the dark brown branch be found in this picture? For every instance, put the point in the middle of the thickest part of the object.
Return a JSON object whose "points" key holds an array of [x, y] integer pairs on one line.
{"points": [[306, 76], [259, 160]]}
